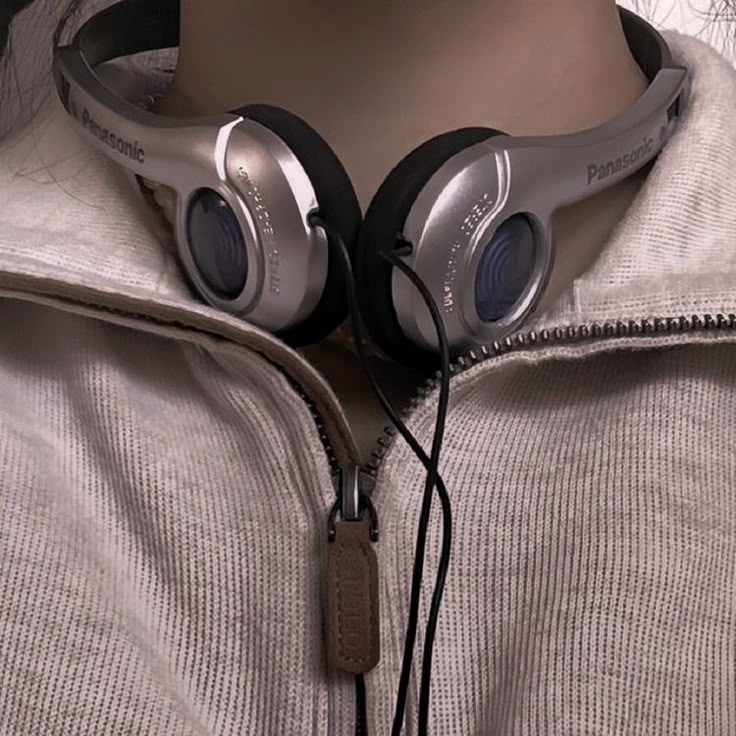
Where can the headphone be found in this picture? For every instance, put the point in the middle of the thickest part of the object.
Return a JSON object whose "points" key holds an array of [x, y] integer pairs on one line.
{"points": [[468, 211]]}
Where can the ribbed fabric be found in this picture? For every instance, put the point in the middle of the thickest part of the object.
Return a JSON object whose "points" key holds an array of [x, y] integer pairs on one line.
{"points": [[591, 586], [165, 492], [158, 545]]}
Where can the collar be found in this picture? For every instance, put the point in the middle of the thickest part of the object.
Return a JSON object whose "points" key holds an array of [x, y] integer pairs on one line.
{"points": [[674, 251]]}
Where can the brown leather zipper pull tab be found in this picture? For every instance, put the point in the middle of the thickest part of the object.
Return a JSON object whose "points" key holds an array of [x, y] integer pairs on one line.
{"points": [[353, 634]]}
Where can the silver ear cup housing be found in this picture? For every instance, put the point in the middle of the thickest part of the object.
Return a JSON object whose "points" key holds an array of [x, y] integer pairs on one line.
{"points": [[506, 189], [268, 197], [451, 227]]}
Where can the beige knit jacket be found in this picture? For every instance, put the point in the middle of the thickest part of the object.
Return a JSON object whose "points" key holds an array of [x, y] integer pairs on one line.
{"points": [[165, 488]]}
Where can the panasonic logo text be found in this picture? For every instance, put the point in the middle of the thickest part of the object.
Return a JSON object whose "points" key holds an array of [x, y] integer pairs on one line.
{"points": [[129, 149], [603, 171]]}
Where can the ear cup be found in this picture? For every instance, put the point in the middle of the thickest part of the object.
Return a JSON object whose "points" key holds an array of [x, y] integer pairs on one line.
{"points": [[383, 222], [338, 204]]}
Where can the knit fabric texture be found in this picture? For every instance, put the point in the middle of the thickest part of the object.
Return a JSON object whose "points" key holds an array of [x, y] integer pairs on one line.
{"points": [[165, 491]]}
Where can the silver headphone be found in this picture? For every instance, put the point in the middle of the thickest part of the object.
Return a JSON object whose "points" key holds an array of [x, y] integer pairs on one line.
{"points": [[469, 211]]}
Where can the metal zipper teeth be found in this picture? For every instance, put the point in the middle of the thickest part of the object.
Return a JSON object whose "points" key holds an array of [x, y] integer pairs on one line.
{"points": [[319, 423], [548, 337], [520, 341]]}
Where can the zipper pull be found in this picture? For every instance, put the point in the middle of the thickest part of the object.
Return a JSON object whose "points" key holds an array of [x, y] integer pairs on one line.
{"points": [[352, 622]]}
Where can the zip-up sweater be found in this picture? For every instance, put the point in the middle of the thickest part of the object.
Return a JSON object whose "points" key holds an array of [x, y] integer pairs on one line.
{"points": [[168, 470]]}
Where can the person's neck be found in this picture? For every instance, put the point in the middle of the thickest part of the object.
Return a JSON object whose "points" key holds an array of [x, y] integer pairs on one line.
{"points": [[377, 78]]}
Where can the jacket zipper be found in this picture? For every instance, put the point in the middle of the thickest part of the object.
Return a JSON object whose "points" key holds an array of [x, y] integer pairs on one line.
{"points": [[519, 342], [354, 485], [360, 481]]}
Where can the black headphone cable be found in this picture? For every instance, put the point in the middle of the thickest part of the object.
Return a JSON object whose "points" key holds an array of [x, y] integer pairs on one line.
{"points": [[433, 477]]}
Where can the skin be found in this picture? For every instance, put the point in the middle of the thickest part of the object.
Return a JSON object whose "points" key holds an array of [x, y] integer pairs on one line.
{"points": [[377, 78]]}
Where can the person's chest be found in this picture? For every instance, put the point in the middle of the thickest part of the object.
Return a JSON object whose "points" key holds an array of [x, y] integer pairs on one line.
{"points": [[179, 493]]}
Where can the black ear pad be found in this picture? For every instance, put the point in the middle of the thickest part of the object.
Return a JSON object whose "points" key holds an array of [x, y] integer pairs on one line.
{"points": [[338, 204], [383, 222]]}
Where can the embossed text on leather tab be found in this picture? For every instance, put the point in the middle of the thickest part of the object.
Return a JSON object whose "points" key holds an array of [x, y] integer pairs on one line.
{"points": [[353, 639]]}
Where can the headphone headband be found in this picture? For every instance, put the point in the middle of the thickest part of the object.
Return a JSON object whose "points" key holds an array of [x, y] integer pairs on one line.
{"points": [[129, 27]]}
